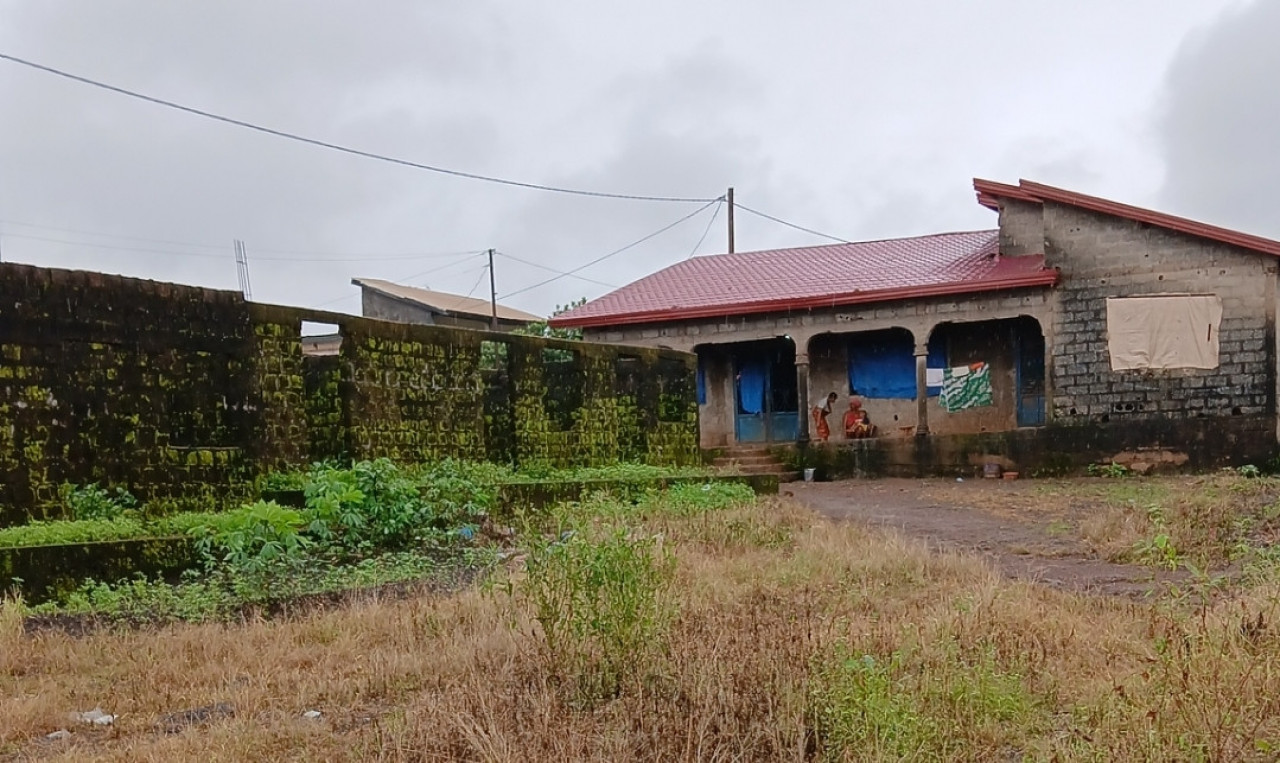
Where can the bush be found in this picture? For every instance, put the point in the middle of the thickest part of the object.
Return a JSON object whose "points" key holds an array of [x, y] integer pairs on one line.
{"points": [[93, 502], [603, 606]]}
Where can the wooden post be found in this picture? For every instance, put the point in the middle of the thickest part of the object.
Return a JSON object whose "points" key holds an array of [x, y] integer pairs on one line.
{"points": [[729, 198], [493, 294]]}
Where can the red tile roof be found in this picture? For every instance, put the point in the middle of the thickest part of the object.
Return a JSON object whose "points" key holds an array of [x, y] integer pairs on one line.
{"points": [[783, 280], [990, 192]]}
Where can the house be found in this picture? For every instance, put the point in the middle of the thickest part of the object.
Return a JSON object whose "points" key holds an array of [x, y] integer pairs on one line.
{"points": [[1079, 330], [390, 301]]}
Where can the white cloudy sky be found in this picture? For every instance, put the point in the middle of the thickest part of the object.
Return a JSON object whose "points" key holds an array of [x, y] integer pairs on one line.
{"points": [[860, 119]]}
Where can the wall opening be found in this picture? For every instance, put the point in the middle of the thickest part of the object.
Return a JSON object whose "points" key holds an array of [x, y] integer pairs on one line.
{"points": [[321, 339], [562, 376]]}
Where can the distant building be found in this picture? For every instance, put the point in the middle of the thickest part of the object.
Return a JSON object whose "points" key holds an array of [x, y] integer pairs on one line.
{"points": [[1078, 329], [408, 304]]}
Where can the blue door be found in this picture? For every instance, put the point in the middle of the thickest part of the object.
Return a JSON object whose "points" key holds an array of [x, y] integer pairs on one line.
{"points": [[1030, 363], [765, 393]]}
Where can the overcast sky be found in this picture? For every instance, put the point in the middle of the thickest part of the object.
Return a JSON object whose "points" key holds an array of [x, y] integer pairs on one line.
{"points": [[858, 119]]}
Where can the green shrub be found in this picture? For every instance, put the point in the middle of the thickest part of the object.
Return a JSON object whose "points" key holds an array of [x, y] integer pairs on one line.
{"points": [[252, 538], [60, 531], [93, 502], [604, 606], [905, 707]]}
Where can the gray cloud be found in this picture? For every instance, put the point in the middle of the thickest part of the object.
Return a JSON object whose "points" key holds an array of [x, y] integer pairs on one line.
{"points": [[1218, 126], [862, 120]]}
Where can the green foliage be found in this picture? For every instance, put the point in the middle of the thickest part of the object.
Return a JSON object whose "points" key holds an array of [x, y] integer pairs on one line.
{"points": [[222, 593], [544, 329], [93, 502], [603, 605], [253, 538], [377, 505], [284, 481], [889, 709], [62, 531], [1112, 469], [1249, 471], [1158, 550]]}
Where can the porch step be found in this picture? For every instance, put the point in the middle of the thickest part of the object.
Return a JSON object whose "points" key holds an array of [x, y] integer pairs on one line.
{"points": [[744, 460], [755, 459]]}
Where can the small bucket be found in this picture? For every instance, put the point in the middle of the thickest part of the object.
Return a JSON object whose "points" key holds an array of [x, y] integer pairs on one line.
{"points": [[808, 475]]}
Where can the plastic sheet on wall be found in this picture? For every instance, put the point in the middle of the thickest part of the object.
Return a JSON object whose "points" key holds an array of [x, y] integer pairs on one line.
{"points": [[881, 367]]}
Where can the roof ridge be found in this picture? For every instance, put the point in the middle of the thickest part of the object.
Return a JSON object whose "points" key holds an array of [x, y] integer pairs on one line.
{"points": [[994, 231], [989, 191]]}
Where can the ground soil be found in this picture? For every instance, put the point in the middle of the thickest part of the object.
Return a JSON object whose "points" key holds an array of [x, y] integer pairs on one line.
{"points": [[1022, 536]]}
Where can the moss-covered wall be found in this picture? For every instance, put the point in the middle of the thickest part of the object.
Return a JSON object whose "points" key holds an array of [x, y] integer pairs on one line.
{"points": [[189, 395]]}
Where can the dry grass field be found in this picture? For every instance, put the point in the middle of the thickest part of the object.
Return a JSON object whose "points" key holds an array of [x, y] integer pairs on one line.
{"points": [[749, 631]]}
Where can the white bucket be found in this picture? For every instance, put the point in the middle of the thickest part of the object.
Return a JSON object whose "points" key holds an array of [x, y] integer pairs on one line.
{"points": [[808, 475]]}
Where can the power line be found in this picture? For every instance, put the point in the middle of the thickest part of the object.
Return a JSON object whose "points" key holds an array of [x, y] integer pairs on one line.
{"points": [[471, 256], [319, 256], [757, 213], [199, 255], [483, 270], [714, 214], [341, 148], [532, 264], [615, 252]]}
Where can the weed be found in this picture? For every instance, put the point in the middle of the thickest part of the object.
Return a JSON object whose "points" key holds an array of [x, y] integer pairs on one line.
{"points": [[254, 539], [603, 605], [1112, 469], [93, 502], [890, 709]]}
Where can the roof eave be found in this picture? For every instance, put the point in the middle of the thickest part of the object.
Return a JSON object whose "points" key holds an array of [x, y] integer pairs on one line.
{"points": [[1046, 277]]}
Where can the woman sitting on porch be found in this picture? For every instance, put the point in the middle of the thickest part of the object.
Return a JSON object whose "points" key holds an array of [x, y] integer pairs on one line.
{"points": [[821, 430], [857, 424]]}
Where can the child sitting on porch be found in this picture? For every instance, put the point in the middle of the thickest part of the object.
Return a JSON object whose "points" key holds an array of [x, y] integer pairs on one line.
{"points": [[857, 424]]}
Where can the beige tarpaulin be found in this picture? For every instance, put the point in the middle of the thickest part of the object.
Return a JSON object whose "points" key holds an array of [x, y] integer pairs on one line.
{"points": [[1174, 331]]}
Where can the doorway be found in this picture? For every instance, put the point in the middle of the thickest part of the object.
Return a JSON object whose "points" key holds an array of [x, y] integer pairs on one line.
{"points": [[765, 394], [1029, 346]]}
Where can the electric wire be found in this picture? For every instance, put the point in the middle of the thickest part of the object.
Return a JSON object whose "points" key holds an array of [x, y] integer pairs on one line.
{"points": [[615, 252], [345, 149], [483, 270], [714, 214], [533, 264], [200, 255], [472, 256], [779, 220]]}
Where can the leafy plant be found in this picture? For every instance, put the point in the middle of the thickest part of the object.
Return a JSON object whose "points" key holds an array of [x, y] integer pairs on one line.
{"points": [[603, 605], [254, 537], [1159, 549], [1249, 471], [1112, 470], [890, 709], [93, 502]]}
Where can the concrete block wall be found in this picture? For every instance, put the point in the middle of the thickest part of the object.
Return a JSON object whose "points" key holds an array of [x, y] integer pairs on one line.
{"points": [[816, 332], [189, 395], [1102, 256]]}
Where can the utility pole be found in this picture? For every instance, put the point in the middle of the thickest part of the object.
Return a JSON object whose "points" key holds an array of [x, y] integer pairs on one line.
{"points": [[493, 294], [729, 198]]}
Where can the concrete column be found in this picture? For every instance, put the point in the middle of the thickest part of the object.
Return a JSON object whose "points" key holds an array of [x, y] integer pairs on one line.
{"points": [[802, 395], [922, 390]]}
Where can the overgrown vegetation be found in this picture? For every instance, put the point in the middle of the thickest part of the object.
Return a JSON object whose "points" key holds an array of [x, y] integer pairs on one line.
{"points": [[688, 625], [372, 521]]}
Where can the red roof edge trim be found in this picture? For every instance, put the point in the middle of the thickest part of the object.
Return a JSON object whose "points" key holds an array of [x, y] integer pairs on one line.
{"points": [[990, 192], [1046, 277], [1160, 219]]}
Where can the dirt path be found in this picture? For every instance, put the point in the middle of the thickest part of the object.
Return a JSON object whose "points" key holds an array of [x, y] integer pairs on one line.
{"points": [[1025, 547]]}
